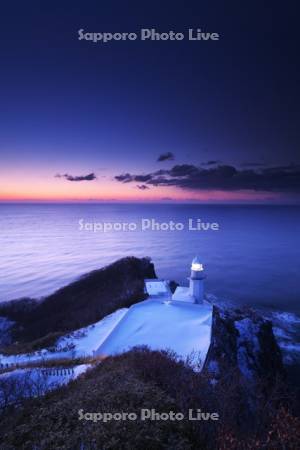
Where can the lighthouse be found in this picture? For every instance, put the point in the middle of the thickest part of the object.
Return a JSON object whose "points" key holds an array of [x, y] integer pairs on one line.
{"points": [[196, 288], [194, 293]]}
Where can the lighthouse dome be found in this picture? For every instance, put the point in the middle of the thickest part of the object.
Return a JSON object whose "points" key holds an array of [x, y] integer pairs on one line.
{"points": [[196, 264]]}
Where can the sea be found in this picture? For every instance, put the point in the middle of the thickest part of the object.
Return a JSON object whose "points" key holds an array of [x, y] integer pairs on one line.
{"points": [[250, 253]]}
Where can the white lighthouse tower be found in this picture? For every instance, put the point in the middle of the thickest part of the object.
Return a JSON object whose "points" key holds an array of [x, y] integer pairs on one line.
{"points": [[197, 277], [194, 293]]}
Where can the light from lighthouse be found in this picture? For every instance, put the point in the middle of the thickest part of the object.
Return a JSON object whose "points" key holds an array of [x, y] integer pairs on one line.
{"points": [[197, 267]]}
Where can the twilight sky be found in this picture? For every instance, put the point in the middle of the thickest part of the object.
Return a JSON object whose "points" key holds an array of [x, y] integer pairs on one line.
{"points": [[149, 120]]}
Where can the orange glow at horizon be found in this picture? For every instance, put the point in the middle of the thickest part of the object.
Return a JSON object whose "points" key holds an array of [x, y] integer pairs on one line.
{"points": [[20, 186], [160, 194]]}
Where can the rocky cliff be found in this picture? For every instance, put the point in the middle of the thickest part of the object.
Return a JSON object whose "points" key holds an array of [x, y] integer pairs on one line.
{"points": [[244, 348], [81, 303]]}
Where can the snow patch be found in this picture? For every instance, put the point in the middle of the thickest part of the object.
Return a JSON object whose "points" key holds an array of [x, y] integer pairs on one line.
{"points": [[86, 340], [182, 328], [280, 333], [288, 346], [21, 383], [157, 287], [287, 332], [80, 343], [286, 317]]}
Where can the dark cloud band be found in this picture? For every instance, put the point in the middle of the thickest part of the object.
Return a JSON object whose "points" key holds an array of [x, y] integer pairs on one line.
{"points": [[222, 177], [89, 177]]}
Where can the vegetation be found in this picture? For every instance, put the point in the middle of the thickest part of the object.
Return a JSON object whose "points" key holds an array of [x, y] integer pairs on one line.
{"points": [[252, 416], [153, 380]]}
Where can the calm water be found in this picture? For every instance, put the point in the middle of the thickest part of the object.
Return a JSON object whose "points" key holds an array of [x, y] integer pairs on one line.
{"points": [[253, 259]]}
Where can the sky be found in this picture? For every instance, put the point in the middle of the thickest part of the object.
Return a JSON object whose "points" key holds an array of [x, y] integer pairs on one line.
{"points": [[149, 120]]}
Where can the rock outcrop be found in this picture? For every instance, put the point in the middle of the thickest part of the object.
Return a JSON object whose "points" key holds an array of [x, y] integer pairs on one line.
{"points": [[243, 346], [83, 302]]}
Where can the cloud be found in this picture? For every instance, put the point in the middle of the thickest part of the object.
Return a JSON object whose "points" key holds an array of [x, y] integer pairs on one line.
{"points": [[253, 164], [211, 162], [222, 177], [289, 168], [124, 178], [89, 177], [143, 178], [142, 187], [127, 178], [168, 156], [183, 170]]}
